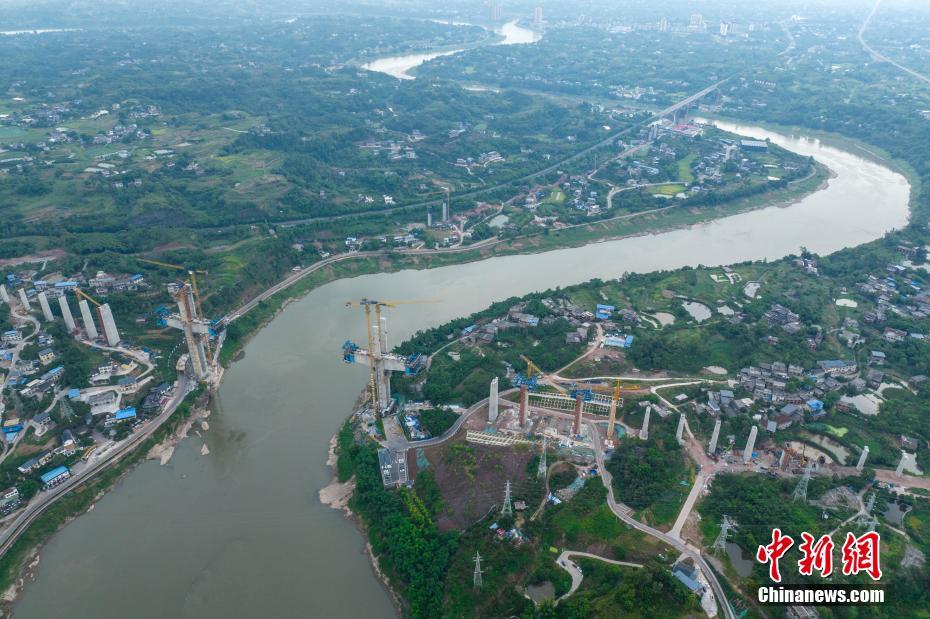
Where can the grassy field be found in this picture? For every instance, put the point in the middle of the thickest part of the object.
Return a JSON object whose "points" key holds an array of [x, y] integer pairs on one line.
{"points": [[684, 169]]}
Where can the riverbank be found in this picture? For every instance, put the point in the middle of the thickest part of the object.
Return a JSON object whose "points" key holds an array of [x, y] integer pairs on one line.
{"points": [[675, 217], [605, 260], [18, 565], [337, 496]]}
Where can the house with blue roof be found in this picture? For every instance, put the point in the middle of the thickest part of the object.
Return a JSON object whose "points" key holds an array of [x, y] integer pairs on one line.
{"points": [[55, 476]]}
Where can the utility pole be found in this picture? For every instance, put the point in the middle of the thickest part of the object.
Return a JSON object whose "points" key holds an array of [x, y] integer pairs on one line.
{"points": [[720, 544], [541, 471], [507, 507], [477, 579], [800, 492]]}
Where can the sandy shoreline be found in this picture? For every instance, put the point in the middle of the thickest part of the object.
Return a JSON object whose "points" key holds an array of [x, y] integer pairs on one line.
{"points": [[337, 496]]}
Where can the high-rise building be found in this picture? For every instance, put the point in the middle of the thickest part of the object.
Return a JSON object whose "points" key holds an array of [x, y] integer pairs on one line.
{"points": [[24, 299], [724, 28], [495, 12], [4, 295], [429, 218], [663, 24], [445, 211], [537, 16], [697, 21]]}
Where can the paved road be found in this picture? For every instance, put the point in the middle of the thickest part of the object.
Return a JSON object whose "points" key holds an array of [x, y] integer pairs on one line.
{"points": [[445, 436], [564, 561], [882, 57], [46, 498], [623, 513]]}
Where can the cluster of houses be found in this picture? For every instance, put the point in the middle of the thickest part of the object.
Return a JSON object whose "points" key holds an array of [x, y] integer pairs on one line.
{"points": [[516, 318]]}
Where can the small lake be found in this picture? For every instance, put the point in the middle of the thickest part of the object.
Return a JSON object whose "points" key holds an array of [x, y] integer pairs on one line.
{"points": [[741, 564], [541, 592]]}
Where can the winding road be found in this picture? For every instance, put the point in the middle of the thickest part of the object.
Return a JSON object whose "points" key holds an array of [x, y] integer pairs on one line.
{"points": [[564, 561]]}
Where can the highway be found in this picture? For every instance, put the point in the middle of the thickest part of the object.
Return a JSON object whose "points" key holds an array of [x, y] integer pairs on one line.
{"points": [[46, 499], [881, 57]]}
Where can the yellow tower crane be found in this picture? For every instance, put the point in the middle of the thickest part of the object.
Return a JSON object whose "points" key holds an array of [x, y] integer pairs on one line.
{"points": [[375, 366], [84, 295], [193, 281], [616, 392], [533, 369], [190, 271]]}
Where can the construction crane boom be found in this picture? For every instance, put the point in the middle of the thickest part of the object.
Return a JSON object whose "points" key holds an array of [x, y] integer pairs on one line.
{"points": [[615, 391], [84, 295], [193, 281], [532, 368], [379, 384]]}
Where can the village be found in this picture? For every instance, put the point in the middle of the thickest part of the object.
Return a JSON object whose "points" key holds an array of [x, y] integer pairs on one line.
{"points": [[488, 424], [74, 396]]}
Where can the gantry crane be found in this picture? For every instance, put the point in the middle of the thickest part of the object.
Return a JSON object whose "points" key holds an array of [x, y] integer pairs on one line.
{"points": [[377, 357]]}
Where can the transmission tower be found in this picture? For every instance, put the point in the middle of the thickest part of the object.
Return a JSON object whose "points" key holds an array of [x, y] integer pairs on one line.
{"points": [[800, 492], [507, 507], [720, 544], [477, 580], [541, 471]]}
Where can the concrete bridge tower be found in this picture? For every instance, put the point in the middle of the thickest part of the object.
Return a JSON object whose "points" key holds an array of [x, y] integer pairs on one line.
{"points": [[712, 447], [644, 432], [493, 401], [862, 458], [750, 445]]}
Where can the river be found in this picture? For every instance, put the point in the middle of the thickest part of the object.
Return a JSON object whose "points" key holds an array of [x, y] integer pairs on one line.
{"points": [[241, 532], [399, 66]]}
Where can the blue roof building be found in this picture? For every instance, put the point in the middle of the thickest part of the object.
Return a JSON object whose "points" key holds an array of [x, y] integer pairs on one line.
{"points": [[695, 587], [603, 312], [55, 474], [125, 413]]}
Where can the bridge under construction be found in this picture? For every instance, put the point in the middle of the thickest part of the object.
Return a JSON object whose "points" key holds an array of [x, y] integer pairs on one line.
{"points": [[380, 361]]}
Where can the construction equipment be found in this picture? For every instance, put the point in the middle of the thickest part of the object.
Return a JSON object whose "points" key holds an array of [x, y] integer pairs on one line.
{"points": [[380, 362], [105, 315], [83, 295], [533, 371], [196, 330], [615, 401], [192, 272], [189, 270]]}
